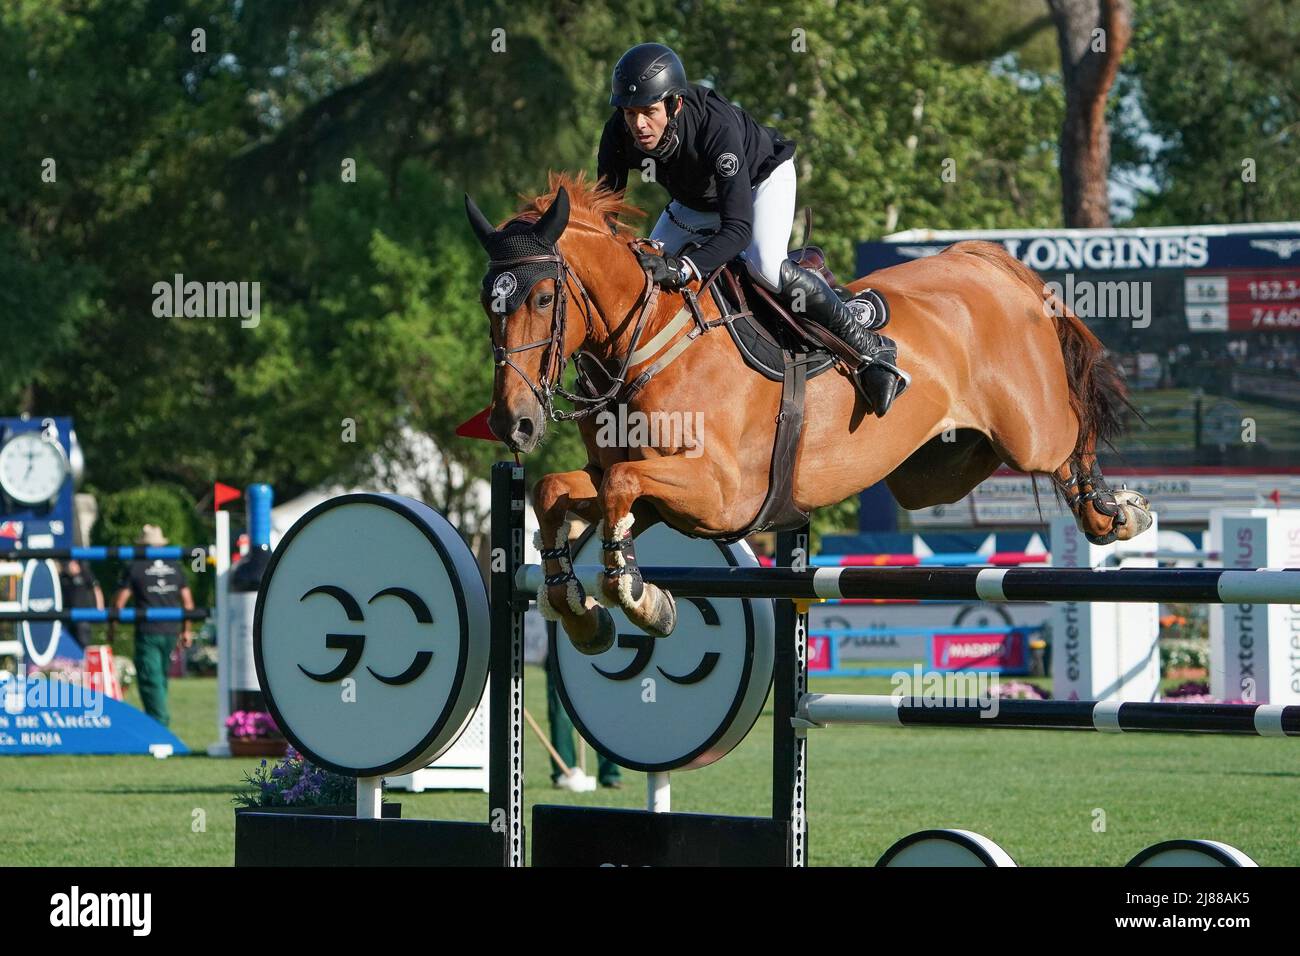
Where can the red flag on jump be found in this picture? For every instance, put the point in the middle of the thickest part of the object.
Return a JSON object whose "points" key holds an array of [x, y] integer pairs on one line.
{"points": [[477, 427], [223, 493]]}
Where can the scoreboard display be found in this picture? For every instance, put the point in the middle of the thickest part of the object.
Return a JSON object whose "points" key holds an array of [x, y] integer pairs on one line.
{"points": [[1229, 300]]}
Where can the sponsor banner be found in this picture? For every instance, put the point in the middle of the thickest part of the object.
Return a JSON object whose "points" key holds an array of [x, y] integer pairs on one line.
{"points": [[40, 715], [898, 647], [1181, 498], [1265, 247], [1234, 278], [987, 651]]}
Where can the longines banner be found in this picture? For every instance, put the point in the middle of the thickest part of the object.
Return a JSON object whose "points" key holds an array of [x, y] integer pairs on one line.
{"points": [[1183, 498]]}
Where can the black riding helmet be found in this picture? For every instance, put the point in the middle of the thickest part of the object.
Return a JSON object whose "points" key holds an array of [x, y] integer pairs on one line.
{"points": [[644, 75]]}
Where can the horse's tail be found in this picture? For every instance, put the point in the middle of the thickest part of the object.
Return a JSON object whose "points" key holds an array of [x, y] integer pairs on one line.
{"points": [[1098, 395]]}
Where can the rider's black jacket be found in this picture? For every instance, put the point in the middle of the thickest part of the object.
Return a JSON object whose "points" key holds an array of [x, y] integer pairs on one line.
{"points": [[721, 155]]}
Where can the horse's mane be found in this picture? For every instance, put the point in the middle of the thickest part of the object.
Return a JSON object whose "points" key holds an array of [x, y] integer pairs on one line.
{"points": [[590, 204]]}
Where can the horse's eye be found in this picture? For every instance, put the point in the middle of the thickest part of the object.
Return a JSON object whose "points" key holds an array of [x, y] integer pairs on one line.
{"points": [[544, 300]]}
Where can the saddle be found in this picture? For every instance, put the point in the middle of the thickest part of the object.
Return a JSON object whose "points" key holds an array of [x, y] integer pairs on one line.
{"points": [[737, 290]]}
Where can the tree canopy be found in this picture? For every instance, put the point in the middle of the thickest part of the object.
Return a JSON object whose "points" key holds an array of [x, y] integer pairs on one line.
{"points": [[321, 149]]}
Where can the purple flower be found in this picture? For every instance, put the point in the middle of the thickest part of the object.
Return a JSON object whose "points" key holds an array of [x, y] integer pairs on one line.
{"points": [[295, 781]]}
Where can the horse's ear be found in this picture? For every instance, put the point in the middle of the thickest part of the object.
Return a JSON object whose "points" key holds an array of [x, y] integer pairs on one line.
{"points": [[551, 226], [482, 228]]}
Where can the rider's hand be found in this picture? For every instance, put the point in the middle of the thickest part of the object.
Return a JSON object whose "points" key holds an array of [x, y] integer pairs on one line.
{"points": [[670, 272]]}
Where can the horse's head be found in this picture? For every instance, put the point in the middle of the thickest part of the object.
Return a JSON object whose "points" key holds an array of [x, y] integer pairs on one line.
{"points": [[545, 303], [524, 297]]}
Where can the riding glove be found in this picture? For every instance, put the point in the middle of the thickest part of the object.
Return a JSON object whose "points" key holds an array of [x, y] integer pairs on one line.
{"points": [[670, 272]]}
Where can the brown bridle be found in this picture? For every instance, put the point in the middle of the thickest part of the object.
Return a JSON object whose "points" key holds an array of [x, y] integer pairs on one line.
{"points": [[555, 362]]}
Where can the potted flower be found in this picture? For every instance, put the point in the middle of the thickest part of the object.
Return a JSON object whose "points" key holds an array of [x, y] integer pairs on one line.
{"points": [[293, 784], [253, 733], [294, 787], [296, 784]]}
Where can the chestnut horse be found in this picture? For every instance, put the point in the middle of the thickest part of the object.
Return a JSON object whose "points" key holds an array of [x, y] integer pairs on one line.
{"points": [[1001, 373]]}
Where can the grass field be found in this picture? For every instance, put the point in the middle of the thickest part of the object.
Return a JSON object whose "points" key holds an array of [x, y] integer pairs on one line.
{"points": [[1049, 798]]}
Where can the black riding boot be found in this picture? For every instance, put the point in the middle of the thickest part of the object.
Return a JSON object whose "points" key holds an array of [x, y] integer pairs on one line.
{"points": [[878, 377]]}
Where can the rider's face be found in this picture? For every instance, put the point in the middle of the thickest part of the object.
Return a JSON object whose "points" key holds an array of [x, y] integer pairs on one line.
{"points": [[646, 123]]}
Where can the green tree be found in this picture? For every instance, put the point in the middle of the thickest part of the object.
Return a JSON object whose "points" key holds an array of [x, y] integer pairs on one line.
{"points": [[1209, 93]]}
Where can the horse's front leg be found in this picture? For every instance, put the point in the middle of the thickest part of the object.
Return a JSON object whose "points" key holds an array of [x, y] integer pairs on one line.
{"points": [[683, 486], [562, 597]]}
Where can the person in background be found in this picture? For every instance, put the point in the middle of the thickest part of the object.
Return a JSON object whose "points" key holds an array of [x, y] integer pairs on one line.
{"points": [[155, 583], [608, 774], [80, 589]]}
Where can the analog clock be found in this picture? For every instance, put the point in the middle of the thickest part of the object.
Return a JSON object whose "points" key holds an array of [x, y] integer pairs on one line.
{"points": [[32, 468]]}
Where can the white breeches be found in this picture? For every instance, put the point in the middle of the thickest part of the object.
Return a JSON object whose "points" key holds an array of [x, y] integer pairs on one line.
{"points": [[773, 219]]}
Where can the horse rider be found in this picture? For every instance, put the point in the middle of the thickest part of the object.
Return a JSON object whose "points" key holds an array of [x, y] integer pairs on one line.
{"points": [[732, 188]]}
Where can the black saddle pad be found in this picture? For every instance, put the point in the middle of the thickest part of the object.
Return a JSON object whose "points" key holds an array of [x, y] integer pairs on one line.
{"points": [[761, 340]]}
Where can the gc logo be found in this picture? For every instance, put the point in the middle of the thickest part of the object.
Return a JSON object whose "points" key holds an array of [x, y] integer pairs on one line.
{"points": [[353, 645]]}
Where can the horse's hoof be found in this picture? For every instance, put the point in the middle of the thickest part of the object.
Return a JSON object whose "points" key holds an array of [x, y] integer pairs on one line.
{"points": [[1137, 520], [602, 638], [661, 618]]}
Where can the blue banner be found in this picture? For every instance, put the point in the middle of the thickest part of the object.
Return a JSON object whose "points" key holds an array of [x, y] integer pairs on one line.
{"points": [[42, 716]]}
